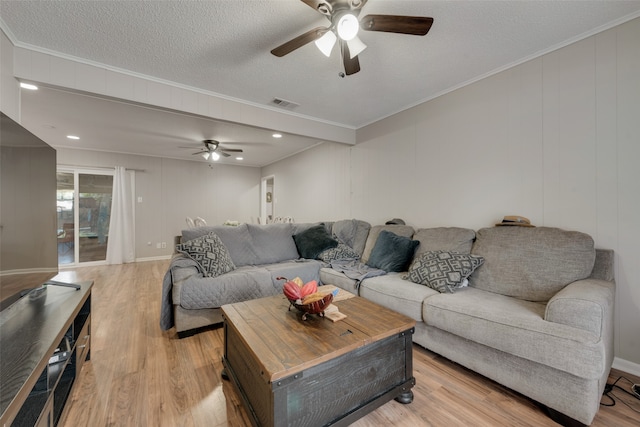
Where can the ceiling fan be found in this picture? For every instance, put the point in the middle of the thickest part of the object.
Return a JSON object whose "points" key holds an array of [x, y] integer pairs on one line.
{"points": [[213, 150], [343, 15]]}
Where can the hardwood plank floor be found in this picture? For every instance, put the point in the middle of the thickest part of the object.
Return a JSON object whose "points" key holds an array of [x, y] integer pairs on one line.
{"points": [[141, 376]]}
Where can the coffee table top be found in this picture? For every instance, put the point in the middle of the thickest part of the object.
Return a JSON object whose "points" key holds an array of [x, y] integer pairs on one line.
{"points": [[283, 344]]}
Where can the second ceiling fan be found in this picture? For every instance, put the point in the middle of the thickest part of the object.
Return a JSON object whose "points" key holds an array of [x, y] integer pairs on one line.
{"points": [[343, 15], [212, 150]]}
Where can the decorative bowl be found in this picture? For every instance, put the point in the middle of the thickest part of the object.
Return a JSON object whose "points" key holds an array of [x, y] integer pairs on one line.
{"points": [[315, 307]]}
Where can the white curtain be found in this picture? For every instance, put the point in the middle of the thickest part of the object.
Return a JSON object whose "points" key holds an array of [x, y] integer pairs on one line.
{"points": [[121, 243]]}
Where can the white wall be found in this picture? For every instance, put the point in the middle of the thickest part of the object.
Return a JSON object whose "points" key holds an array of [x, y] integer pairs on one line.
{"points": [[311, 185], [172, 189], [556, 139]]}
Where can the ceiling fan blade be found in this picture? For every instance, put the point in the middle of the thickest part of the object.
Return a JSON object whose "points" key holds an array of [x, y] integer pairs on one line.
{"points": [[232, 150], [313, 4], [299, 41], [224, 154], [351, 65], [414, 25]]}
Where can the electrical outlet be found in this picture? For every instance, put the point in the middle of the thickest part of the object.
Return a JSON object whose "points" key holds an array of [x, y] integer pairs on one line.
{"points": [[164, 245], [158, 245]]}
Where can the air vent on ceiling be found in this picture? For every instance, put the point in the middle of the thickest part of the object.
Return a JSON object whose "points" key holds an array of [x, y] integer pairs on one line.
{"points": [[283, 103]]}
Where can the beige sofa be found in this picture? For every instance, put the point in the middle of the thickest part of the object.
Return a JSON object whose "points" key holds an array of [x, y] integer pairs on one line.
{"points": [[536, 316]]}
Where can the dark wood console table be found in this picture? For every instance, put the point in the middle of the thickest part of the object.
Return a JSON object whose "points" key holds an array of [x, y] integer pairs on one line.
{"points": [[45, 338]]}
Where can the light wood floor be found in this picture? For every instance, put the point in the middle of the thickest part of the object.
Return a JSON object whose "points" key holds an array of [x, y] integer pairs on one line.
{"points": [[141, 376]]}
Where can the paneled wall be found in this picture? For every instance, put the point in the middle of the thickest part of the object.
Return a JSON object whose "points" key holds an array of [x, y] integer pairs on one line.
{"points": [[556, 139], [172, 189]]}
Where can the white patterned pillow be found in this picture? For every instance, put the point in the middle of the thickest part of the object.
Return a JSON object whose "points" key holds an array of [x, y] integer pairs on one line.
{"points": [[342, 251], [443, 271], [210, 253]]}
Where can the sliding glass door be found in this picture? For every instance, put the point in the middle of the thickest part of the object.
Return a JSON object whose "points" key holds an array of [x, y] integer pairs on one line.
{"points": [[65, 204], [84, 206]]}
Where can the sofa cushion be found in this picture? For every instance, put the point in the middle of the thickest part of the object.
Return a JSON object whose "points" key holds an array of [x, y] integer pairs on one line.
{"points": [[210, 253], [342, 251], [516, 327], [392, 253], [312, 241], [441, 270], [306, 269], [236, 239], [352, 232], [242, 284], [452, 239], [531, 263], [374, 232], [272, 243], [329, 276], [393, 292]]}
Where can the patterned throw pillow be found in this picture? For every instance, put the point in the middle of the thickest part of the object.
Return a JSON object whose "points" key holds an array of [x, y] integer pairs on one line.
{"points": [[341, 251], [443, 271], [210, 253]]}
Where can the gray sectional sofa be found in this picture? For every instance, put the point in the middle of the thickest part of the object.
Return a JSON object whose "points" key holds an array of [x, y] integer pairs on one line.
{"points": [[536, 315]]}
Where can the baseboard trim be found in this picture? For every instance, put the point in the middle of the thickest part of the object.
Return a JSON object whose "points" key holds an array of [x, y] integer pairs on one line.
{"points": [[626, 366], [29, 271], [154, 258]]}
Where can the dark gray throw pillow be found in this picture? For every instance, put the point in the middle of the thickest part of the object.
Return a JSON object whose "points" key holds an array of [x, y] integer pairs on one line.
{"points": [[210, 253], [392, 253], [312, 241]]}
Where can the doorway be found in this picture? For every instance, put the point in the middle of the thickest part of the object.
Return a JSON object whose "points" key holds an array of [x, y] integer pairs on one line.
{"points": [[267, 199], [83, 214]]}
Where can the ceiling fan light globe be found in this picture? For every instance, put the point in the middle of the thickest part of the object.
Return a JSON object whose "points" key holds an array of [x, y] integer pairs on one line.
{"points": [[326, 43], [355, 47], [215, 156], [206, 156], [347, 26]]}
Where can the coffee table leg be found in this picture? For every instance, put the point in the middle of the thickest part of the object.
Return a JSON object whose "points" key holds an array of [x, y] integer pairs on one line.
{"points": [[405, 397]]}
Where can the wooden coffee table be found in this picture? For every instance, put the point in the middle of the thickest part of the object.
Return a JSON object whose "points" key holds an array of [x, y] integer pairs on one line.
{"points": [[316, 372]]}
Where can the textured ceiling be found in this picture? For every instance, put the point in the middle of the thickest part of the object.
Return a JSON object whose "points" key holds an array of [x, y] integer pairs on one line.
{"points": [[224, 46]]}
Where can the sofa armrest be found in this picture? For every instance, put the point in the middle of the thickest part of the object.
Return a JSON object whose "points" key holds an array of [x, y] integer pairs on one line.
{"points": [[585, 304], [182, 273]]}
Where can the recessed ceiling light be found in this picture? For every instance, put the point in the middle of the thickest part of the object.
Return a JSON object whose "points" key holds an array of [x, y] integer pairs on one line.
{"points": [[28, 86], [277, 135], [73, 137], [239, 158]]}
